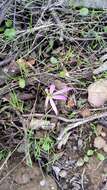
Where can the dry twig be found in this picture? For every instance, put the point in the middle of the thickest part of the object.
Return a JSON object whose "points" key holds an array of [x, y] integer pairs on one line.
{"points": [[77, 124]]}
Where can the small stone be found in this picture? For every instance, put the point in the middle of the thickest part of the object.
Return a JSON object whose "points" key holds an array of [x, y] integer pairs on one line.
{"points": [[99, 129], [97, 93], [21, 148], [63, 173], [65, 187], [105, 169], [80, 143], [43, 182], [105, 148], [103, 134], [99, 142], [56, 170], [75, 148], [80, 162]]}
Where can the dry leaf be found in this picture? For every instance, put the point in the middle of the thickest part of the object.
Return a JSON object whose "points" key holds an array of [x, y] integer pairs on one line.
{"points": [[21, 61], [30, 61], [71, 102], [85, 112]]}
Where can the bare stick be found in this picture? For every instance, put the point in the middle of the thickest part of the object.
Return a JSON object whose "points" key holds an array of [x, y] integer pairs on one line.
{"points": [[42, 27], [6, 61], [52, 116], [3, 9], [77, 124]]}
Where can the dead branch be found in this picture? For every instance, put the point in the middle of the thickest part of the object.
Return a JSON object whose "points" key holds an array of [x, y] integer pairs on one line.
{"points": [[77, 124]]}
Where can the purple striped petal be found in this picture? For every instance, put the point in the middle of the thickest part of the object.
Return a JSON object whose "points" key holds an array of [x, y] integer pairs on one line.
{"points": [[54, 106], [64, 90], [52, 88], [59, 97]]}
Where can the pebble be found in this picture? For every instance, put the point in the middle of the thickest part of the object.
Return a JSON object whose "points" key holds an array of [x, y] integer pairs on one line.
{"points": [[80, 162], [103, 134], [43, 182], [63, 173], [80, 143]]}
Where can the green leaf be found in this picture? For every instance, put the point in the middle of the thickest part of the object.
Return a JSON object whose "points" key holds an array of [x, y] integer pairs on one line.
{"points": [[8, 23], [90, 152], [86, 159], [62, 74], [1, 29], [105, 28], [51, 43], [100, 157], [21, 82], [84, 11], [53, 60], [46, 147], [10, 33]]}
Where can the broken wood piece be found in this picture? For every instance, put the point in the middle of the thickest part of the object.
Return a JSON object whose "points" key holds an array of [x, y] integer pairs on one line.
{"points": [[37, 124]]}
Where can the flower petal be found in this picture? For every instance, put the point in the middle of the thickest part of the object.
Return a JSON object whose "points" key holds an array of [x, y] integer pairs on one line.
{"points": [[59, 97], [52, 88], [46, 102], [54, 106], [64, 90]]}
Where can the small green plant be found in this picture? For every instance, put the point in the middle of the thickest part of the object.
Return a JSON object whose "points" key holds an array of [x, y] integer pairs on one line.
{"points": [[62, 74], [43, 144], [37, 146], [54, 60], [93, 152], [23, 67], [1, 29], [84, 11], [100, 76], [10, 33], [72, 115], [8, 23], [28, 146], [88, 154], [22, 82], [94, 129], [69, 54], [24, 72], [105, 29], [50, 46], [3, 154], [100, 156], [31, 21], [15, 102]]}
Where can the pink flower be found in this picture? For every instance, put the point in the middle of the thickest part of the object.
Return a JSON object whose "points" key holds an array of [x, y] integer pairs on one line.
{"points": [[52, 95]]}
